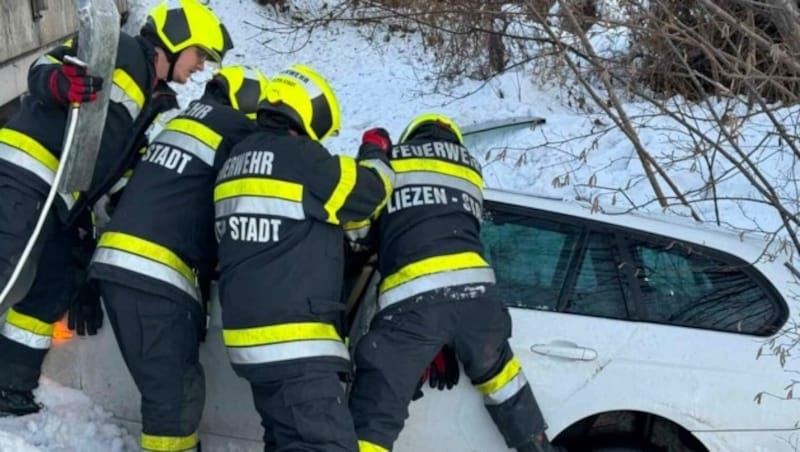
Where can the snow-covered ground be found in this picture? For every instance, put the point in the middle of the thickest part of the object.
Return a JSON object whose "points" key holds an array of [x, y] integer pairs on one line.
{"points": [[70, 422], [386, 82]]}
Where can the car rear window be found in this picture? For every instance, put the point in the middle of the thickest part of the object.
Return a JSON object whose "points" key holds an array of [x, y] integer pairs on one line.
{"points": [[682, 285], [542, 259]]}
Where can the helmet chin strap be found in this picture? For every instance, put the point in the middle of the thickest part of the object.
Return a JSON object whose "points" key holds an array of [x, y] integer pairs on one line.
{"points": [[173, 60]]}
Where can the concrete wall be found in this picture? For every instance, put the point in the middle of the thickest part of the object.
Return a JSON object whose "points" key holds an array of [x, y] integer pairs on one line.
{"points": [[94, 365], [25, 37]]}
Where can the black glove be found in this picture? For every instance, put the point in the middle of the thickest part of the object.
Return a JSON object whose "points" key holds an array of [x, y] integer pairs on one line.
{"points": [[70, 83], [441, 373], [85, 313], [444, 369], [376, 138]]}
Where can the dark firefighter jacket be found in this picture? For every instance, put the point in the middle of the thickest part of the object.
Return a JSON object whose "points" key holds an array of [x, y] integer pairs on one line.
{"points": [[280, 202], [32, 138], [429, 232], [161, 236]]}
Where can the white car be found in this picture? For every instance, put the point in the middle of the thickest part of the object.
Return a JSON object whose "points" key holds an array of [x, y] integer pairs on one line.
{"points": [[635, 332]]}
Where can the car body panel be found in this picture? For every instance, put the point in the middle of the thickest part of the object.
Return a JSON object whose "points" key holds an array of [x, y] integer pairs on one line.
{"points": [[578, 366]]}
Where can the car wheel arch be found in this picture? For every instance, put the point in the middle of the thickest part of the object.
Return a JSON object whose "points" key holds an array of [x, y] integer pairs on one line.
{"points": [[628, 429]]}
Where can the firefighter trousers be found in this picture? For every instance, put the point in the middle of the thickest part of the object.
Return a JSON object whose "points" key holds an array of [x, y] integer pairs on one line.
{"points": [[403, 340], [159, 339], [19, 210], [306, 411], [25, 337]]}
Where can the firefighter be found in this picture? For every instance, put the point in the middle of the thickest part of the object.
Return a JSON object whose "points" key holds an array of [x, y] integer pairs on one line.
{"points": [[280, 200], [155, 259], [437, 290], [179, 36]]}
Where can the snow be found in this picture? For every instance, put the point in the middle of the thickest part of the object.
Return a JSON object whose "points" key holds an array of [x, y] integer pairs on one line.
{"points": [[70, 421], [384, 79]]}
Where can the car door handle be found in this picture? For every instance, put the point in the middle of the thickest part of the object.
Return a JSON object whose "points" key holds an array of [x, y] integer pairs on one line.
{"points": [[566, 350]]}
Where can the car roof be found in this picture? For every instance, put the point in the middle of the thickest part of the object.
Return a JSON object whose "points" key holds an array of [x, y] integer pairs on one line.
{"points": [[748, 246]]}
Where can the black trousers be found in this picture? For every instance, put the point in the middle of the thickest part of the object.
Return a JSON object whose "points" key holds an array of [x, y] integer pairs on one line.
{"points": [[305, 412], [403, 340], [19, 210], [159, 340], [48, 298]]}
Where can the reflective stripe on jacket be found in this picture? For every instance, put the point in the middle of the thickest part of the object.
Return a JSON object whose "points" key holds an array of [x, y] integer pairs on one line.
{"points": [[283, 342], [27, 153], [133, 254], [430, 228], [280, 203], [162, 230], [434, 273]]}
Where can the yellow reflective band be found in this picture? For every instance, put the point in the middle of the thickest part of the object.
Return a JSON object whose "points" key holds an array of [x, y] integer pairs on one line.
{"points": [[251, 186], [433, 281], [510, 370], [438, 166], [366, 446], [285, 332], [448, 262], [195, 129], [347, 180], [431, 117], [129, 86], [146, 267], [144, 248], [357, 230], [169, 443], [29, 323], [387, 183], [29, 146], [353, 225], [285, 351]]}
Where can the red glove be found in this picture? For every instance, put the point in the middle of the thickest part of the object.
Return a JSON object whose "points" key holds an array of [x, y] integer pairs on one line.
{"points": [[444, 369], [378, 137], [441, 373], [70, 83]]}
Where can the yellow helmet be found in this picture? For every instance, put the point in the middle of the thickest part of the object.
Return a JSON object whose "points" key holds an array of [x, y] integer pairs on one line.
{"points": [[302, 95], [244, 87], [178, 24], [431, 118]]}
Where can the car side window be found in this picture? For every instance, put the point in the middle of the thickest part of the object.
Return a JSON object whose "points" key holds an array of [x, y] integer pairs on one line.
{"points": [[682, 286], [530, 257], [598, 290]]}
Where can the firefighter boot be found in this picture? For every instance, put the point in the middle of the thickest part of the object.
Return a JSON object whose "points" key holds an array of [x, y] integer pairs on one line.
{"points": [[17, 403], [539, 444]]}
